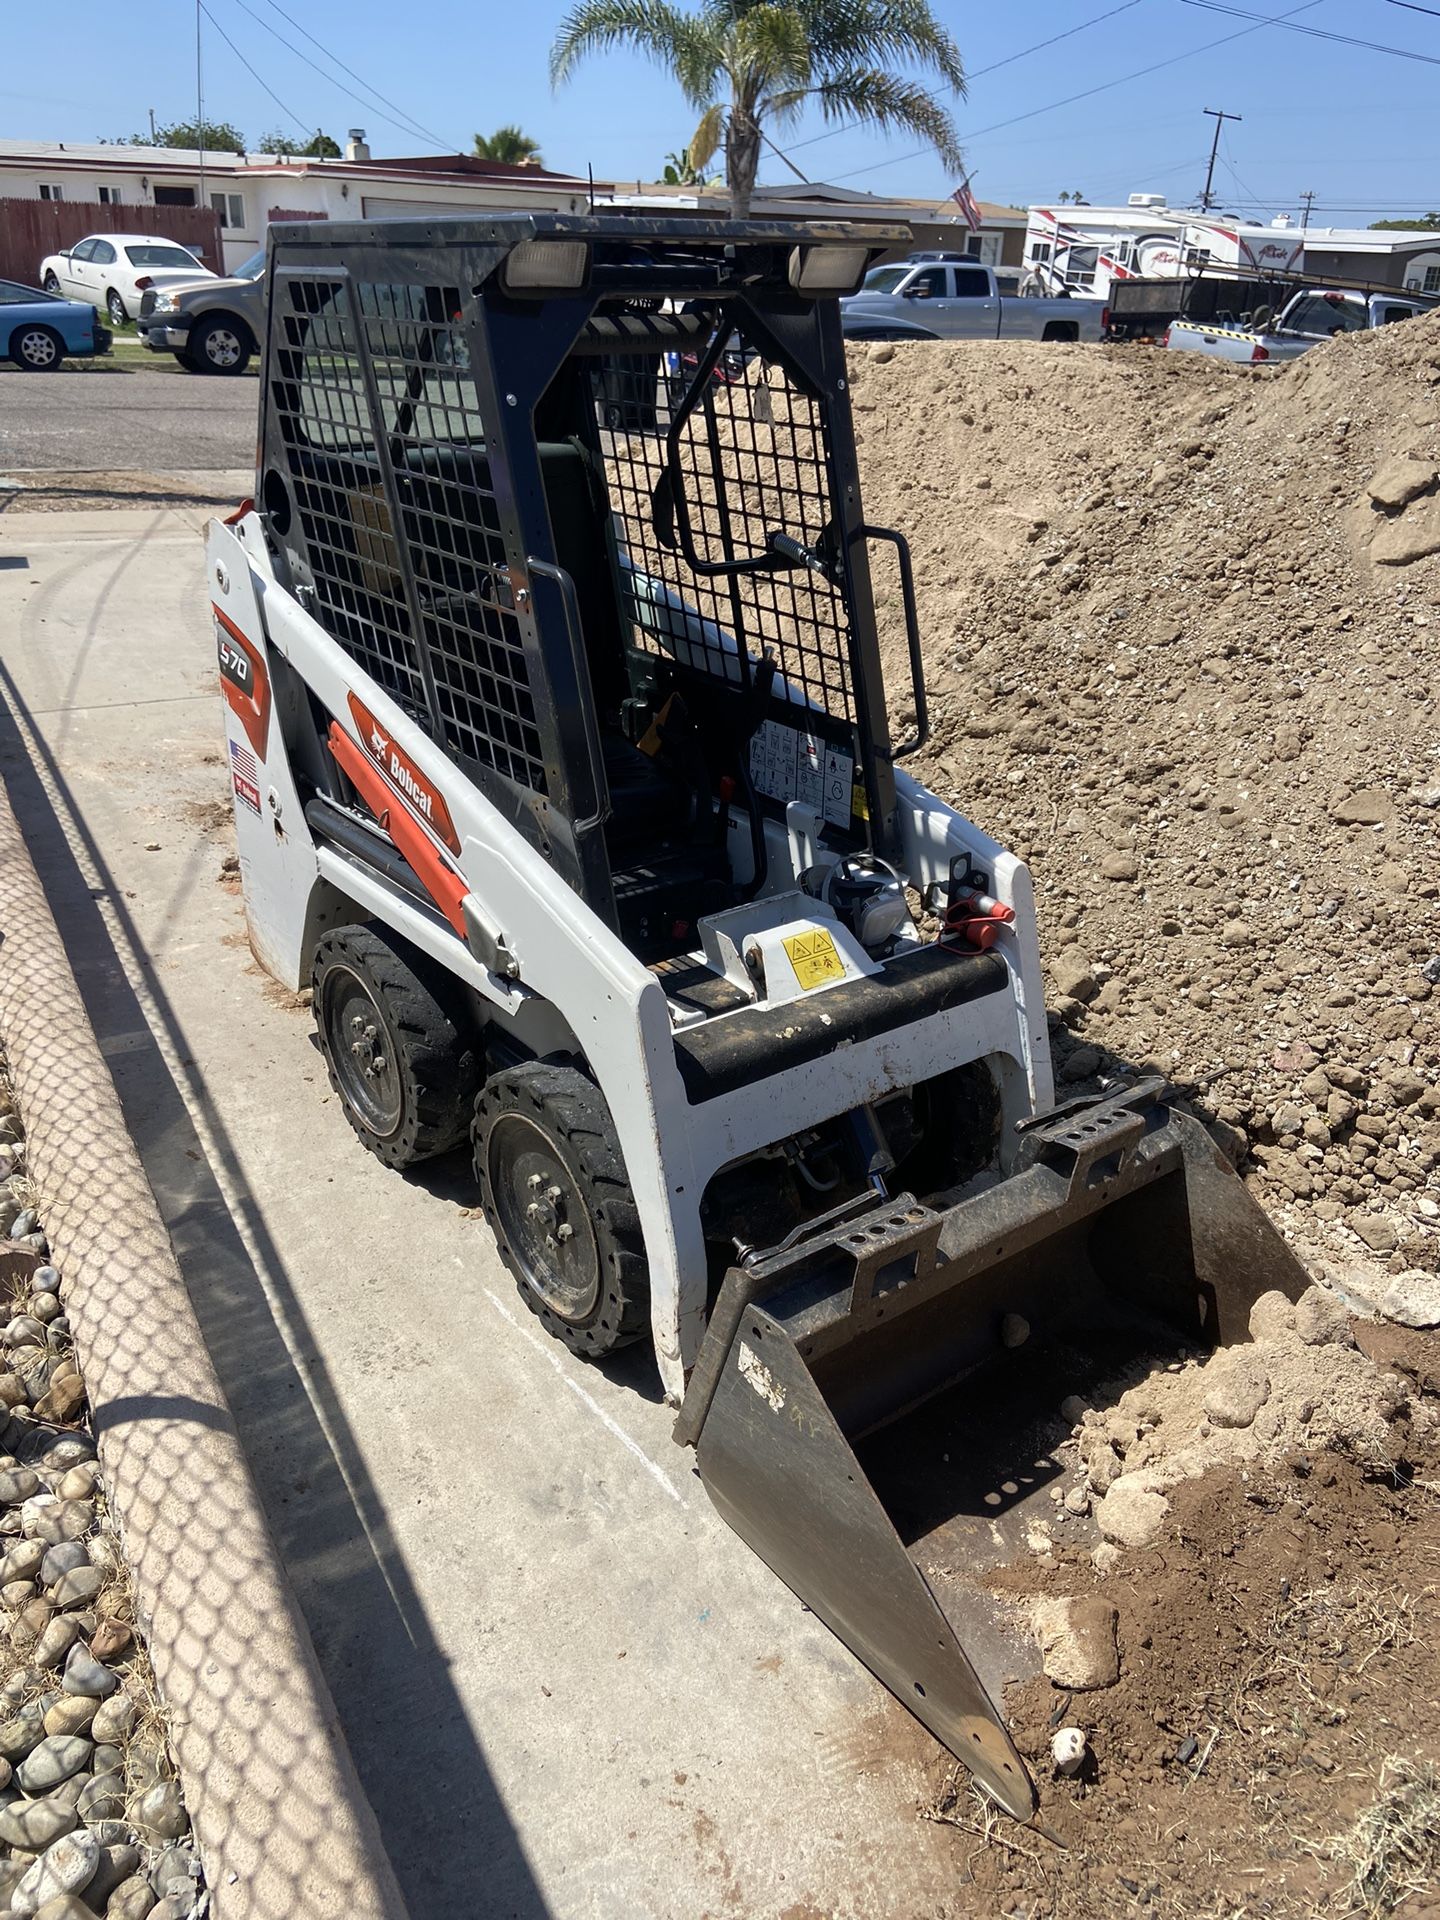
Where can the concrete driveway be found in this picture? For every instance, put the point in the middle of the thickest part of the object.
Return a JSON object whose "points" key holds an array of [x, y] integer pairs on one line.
{"points": [[569, 1689], [129, 409]]}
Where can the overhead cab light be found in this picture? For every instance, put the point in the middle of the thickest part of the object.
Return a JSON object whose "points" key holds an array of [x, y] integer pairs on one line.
{"points": [[546, 266], [821, 270]]}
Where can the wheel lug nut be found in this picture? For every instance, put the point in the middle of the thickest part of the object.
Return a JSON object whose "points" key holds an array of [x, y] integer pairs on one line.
{"points": [[565, 1232]]}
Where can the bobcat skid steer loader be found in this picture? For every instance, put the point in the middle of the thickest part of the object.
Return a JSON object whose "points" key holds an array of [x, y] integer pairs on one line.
{"points": [[563, 774]]}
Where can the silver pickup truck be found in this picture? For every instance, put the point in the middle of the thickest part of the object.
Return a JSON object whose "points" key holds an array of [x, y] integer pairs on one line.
{"points": [[1310, 317], [211, 326], [945, 296]]}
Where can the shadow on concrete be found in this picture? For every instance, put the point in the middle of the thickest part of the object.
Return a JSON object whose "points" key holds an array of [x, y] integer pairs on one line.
{"points": [[442, 1820]]}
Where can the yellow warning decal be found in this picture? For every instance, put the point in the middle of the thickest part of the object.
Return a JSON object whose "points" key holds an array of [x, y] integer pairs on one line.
{"points": [[814, 959]]}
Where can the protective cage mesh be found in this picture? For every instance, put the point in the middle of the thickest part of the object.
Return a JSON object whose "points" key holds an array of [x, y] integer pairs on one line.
{"points": [[753, 461], [457, 600]]}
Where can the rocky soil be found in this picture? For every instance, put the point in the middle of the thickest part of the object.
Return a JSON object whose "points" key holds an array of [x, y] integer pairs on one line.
{"points": [[92, 1817], [1181, 622]]}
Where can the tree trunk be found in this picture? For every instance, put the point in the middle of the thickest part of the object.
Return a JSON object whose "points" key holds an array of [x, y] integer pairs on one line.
{"points": [[742, 158]]}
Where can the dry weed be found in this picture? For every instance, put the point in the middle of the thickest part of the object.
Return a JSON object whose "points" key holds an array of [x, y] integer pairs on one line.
{"points": [[1393, 1849]]}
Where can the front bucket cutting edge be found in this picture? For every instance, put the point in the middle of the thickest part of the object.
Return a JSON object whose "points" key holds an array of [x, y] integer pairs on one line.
{"points": [[1120, 1217]]}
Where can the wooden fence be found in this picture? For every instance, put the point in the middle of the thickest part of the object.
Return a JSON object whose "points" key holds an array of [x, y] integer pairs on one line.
{"points": [[31, 229]]}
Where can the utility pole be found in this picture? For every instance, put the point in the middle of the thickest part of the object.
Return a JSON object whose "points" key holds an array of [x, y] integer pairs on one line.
{"points": [[1219, 118], [152, 126], [200, 114], [1309, 199]]}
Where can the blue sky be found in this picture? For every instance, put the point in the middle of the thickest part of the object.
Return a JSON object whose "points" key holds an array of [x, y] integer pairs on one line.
{"points": [[1359, 127]]}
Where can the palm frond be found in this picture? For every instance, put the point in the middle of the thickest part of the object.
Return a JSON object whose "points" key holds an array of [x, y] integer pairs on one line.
{"points": [[852, 33], [769, 47], [685, 44], [705, 141], [894, 104]]}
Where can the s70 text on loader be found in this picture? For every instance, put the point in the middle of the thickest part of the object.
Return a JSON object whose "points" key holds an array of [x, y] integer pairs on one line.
{"points": [[563, 774]]}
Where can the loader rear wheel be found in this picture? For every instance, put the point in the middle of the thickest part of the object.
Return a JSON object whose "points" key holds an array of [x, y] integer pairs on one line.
{"points": [[396, 1042], [554, 1190]]}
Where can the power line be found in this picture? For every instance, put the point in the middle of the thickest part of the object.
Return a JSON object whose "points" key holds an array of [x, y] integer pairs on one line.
{"points": [[1315, 33], [412, 131], [288, 112], [1410, 7], [1088, 93], [335, 60], [980, 72], [1244, 186]]}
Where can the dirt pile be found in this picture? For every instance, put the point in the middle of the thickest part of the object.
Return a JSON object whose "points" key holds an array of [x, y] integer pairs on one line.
{"points": [[1269, 1745], [1299, 1387], [1180, 624]]}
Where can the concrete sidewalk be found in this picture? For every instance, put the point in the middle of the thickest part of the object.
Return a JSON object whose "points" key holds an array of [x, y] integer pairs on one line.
{"points": [[569, 1689]]}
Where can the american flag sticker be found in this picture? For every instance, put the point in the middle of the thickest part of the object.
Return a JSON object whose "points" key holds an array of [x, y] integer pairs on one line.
{"points": [[245, 777]]}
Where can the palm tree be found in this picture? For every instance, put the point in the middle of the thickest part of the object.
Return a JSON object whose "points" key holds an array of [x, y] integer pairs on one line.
{"points": [[509, 145], [745, 63]]}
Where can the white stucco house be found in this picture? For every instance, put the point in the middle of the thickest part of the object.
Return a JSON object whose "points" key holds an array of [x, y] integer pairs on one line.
{"points": [[249, 190]]}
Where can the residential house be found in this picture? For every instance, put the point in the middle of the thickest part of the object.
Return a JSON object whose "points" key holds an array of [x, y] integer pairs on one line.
{"points": [[250, 190]]}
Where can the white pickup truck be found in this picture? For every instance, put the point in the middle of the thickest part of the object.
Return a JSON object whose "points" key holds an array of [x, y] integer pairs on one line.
{"points": [[947, 296], [1308, 318]]}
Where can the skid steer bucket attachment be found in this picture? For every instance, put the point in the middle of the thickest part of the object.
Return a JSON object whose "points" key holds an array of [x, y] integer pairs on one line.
{"points": [[885, 1391]]}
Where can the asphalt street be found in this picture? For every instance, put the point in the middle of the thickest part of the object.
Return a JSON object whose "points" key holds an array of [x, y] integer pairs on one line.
{"points": [[122, 411]]}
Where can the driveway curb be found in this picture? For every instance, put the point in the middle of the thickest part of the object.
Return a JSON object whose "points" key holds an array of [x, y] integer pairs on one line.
{"points": [[282, 1821]]}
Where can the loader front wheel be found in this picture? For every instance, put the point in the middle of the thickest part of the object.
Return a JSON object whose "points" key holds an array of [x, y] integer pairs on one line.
{"points": [[396, 1043], [553, 1186]]}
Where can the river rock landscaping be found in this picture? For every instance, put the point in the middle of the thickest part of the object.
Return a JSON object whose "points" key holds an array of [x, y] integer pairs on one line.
{"points": [[92, 1816]]}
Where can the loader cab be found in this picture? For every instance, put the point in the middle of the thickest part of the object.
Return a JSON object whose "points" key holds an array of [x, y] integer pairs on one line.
{"points": [[580, 495]]}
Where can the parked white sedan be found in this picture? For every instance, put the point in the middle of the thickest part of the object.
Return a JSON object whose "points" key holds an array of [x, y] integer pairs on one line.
{"points": [[113, 270]]}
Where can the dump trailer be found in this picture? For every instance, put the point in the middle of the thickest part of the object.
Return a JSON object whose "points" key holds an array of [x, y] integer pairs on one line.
{"points": [[564, 775]]}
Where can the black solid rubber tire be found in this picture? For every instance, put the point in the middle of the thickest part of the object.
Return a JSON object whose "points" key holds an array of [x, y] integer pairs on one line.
{"points": [[567, 1107], [114, 300], [425, 1023]]}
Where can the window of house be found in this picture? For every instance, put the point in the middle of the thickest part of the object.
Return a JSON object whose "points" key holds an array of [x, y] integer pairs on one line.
{"points": [[110, 196], [175, 196], [1432, 280], [51, 192], [231, 209]]}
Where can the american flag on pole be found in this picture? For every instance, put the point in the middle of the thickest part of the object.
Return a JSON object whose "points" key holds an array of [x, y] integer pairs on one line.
{"points": [[969, 206]]}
